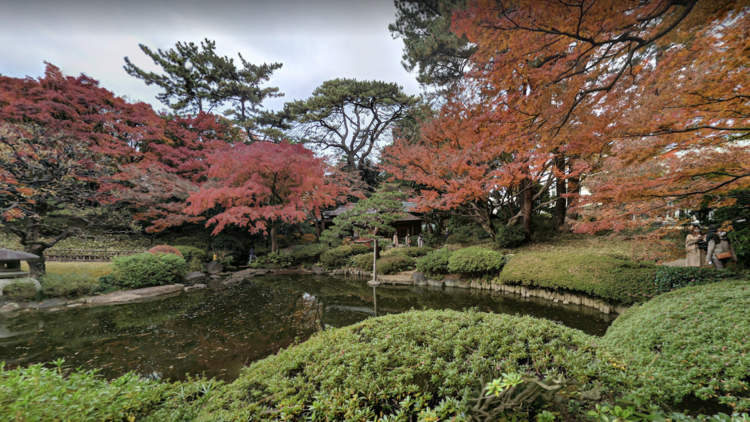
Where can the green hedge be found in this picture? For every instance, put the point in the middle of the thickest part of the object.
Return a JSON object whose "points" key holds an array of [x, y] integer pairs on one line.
{"points": [[401, 365], [671, 278], [597, 275], [459, 238], [146, 269], [694, 340], [414, 252], [434, 265], [475, 261], [339, 257]]}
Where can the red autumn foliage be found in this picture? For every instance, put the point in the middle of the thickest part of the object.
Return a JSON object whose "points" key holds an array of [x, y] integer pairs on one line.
{"points": [[165, 249], [644, 101], [260, 185]]}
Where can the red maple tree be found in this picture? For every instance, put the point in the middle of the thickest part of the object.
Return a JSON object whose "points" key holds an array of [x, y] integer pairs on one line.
{"points": [[260, 185]]}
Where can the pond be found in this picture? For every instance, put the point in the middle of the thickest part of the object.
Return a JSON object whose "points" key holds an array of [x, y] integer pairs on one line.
{"points": [[218, 332]]}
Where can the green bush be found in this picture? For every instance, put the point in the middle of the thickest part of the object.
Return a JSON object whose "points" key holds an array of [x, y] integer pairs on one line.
{"points": [[363, 261], [36, 393], [146, 269], [475, 261], [393, 264], [308, 254], [274, 260], [20, 291], [339, 257], [70, 285], [597, 275], [190, 253], [414, 365], [510, 237], [414, 252], [434, 265], [671, 278], [692, 341], [459, 238]]}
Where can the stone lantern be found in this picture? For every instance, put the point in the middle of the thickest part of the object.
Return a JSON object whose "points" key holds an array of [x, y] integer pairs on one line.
{"points": [[10, 269]]}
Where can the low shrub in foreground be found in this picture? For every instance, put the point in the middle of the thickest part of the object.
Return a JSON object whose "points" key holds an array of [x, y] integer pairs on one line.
{"points": [[434, 265], [146, 269], [670, 278], [597, 275], [694, 340], [41, 394], [475, 261], [192, 253], [339, 257], [412, 365]]}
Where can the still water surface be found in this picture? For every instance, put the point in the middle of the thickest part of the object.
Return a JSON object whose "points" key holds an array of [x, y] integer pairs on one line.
{"points": [[218, 332]]}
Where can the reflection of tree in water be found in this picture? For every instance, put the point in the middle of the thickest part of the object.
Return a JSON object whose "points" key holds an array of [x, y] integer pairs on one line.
{"points": [[218, 332]]}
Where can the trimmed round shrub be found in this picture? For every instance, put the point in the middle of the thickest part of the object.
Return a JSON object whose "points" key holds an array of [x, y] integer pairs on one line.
{"points": [[404, 364], [392, 264], [339, 257], [435, 264], [190, 253], [165, 249], [459, 238], [692, 341], [414, 252], [147, 269], [475, 261], [363, 262]]}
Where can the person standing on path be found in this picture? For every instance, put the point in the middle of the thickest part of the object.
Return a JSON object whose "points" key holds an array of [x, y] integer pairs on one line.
{"points": [[720, 251], [395, 240], [694, 254], [420, 240], [408, 240]]}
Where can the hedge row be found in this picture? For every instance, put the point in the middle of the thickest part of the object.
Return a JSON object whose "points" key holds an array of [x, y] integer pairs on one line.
{"points": [[598, 275], [339, 257]]}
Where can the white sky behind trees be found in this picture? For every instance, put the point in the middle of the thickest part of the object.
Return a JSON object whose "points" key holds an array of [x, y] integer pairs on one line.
{"points": [[315, 40]]}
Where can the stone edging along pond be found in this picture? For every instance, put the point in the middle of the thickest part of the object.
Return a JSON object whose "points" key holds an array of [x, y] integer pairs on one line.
{"points": [[418, 279]]}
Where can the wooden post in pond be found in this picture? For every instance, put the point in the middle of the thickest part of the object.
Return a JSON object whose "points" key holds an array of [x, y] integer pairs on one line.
{"points": [[374, 260]]}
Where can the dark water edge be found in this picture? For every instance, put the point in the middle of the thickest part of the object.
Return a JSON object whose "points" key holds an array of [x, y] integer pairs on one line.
{"points": [[216, 333]]}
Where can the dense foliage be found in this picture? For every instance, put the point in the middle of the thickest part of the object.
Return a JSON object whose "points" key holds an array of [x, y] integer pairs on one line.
{"points": [[404, 364], [145, 269], [671, 278], [394, 263], [435, 264], [339, 257], [308, 253], [475, 261], [598, 275], [690, 341], [166, 249]]}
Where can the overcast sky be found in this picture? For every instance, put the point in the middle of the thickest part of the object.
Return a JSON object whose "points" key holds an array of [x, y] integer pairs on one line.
{"points": [[315, 40]]}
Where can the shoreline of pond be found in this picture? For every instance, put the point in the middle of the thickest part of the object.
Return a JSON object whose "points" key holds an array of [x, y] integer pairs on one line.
{"points": [[414, 278]]}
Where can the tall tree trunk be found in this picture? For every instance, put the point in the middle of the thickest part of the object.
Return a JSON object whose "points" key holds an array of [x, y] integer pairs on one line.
{"points": [[560, 190], [317, 229], [574, 187], [37, 267], [527, 203], [274, 242]]}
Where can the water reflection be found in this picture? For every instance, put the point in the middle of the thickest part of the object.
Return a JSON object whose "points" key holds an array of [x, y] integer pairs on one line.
{"points": [[217, 333]]}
